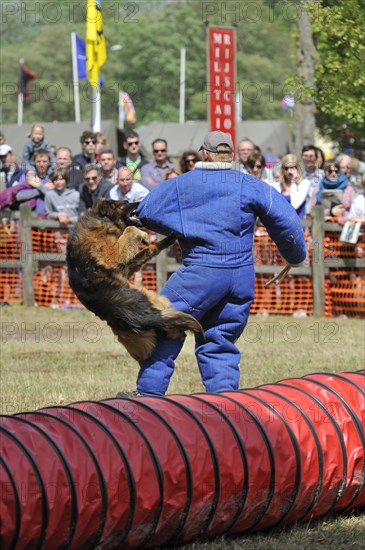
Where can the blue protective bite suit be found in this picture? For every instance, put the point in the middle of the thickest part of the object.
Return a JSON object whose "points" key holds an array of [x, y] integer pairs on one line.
{"points": [[213, 210]]}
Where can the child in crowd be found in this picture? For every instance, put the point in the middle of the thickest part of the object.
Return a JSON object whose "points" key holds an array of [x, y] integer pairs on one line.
{"points": [[62, 204], [36, 141]]}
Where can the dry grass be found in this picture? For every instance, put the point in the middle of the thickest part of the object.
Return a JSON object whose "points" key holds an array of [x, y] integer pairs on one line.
{"points": [[52, 356]]}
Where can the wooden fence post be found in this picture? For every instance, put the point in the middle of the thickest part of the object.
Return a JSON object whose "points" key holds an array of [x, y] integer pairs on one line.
{"points": [[26, 254], [318, 279]]}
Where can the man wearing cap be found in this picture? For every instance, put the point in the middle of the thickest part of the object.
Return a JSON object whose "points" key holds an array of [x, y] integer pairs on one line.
{"points": [[10, 172], [212, 210]]}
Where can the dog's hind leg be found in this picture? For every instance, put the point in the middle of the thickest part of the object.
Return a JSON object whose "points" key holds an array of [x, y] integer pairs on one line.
{"points": [[139, 346]]}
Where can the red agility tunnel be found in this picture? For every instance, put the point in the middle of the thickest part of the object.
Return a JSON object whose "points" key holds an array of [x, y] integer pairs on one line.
{"points": [[147, 472]]}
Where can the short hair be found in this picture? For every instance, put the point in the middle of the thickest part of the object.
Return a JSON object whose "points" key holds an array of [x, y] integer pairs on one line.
{"points": [[106, 151], [131, 133], [92, 166], [306, 148], [87, 134], [159, 139], [59, 173], [254, 157], [224, 154], [247, 139], [62, 148], [42, 152]]}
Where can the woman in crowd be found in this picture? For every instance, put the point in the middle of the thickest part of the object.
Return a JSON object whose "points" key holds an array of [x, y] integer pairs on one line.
{"points": [[334, 182], [172, 173], [294, 188], [188, 160], [256, 164]]}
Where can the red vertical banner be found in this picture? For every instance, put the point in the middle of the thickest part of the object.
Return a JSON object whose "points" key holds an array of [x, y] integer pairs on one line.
{"points": [[222, 80]]}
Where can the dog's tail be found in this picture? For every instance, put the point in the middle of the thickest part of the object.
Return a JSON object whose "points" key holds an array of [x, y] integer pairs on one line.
{"points": [[175, 323]]}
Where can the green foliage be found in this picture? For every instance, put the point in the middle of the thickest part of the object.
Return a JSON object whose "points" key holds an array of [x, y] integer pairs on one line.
{"points": [[148, 66], [339, 36]]}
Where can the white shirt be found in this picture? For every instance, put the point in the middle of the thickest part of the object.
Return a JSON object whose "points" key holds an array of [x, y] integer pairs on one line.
{"points": [[357, 207], [136, 193]]}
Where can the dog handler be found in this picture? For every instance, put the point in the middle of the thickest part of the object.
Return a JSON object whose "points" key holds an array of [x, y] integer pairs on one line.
{"points": [[212, 210]]}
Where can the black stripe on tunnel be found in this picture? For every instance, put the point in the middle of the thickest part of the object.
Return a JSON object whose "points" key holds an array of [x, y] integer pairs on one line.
{"points": [[44, 500], [242, 451], [17, 504], [44, 417], [318, 448], [338, 433], [186, 508], [358, 429], [155, 462], [293, 496], [74, 510], [215, 499]]}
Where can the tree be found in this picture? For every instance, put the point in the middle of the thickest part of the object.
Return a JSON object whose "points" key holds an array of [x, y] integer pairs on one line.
{"points": [[148, 66], [339, 78]]}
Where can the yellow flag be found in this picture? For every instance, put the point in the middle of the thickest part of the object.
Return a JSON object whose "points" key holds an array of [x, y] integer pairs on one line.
{"points": [[95, 42]]}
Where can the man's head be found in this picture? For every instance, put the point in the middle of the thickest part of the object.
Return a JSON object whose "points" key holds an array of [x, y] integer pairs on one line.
{"points": [[92, 176], [245, 148], [159, 148], [125, 179], [63, 157], [217, 147], [309, 158], [107, 161], [6, 155], [42, 162], [88, 143], [132, 144]]}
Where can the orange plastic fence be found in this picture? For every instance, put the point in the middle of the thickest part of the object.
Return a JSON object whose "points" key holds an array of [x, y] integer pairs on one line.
{"points": [[344, 287]]}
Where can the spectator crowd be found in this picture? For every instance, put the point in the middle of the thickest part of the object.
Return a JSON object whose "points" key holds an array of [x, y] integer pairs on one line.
{"points": [[60, 185]]}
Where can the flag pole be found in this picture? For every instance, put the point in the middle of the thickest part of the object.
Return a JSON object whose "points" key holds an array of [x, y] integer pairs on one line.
{"points": [[95, 108], [182, 85], [20, 109], [20, 96], [75, 77]]}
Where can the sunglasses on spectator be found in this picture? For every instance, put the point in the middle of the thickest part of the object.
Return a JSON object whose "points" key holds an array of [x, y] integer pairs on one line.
{"points": [[88, 141], [332, 170], [259, 166], [91, 178], [159, 150], [288, 167], [190, 161], [129, 143]]}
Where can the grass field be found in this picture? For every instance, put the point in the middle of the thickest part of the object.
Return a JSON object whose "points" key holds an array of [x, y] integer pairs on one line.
{"points": [[51, 356]]}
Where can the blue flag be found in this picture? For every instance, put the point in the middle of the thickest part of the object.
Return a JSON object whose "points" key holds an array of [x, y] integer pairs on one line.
{"points": [[81, 61]]}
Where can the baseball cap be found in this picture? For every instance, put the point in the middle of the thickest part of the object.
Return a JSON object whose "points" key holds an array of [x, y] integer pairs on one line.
{"points": [[4, 149], [213, 139]]}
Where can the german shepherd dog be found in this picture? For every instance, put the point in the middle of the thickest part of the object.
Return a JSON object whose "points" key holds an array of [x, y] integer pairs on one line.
{"points": [[102, 254]]}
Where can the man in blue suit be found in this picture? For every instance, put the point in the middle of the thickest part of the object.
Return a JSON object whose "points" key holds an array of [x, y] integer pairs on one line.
{"points": [[212, 210]]}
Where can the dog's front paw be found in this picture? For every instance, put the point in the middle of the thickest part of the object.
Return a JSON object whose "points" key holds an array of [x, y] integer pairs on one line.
{"points": [[145, 238]]}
